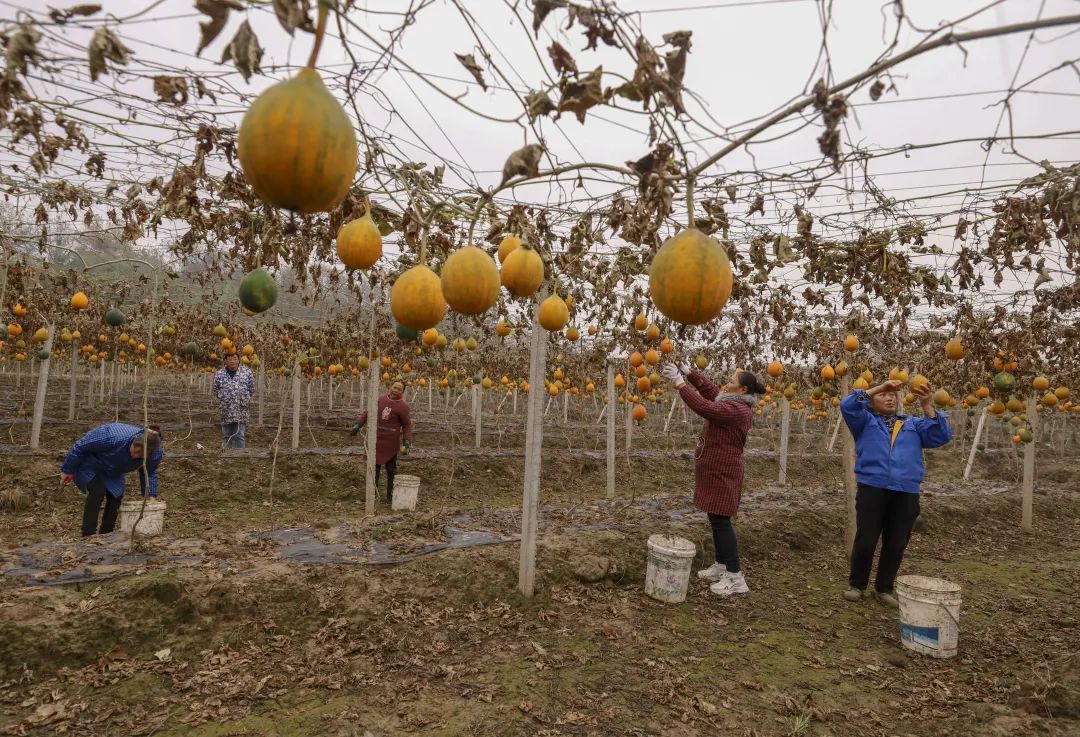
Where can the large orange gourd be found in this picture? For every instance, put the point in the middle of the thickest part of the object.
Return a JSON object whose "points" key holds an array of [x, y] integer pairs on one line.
{"points": [[470, 281], [690, 278], [416, 299], [553, 314], [297, 146], [523, 272], [359, 242]]}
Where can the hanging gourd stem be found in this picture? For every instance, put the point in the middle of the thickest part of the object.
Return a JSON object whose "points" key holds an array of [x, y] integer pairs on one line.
{"points": [[320, 31], [690, 202], [423, 247]]}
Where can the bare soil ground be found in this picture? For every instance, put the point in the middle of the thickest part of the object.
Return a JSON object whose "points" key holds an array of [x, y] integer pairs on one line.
{"points": [[289, 613]]}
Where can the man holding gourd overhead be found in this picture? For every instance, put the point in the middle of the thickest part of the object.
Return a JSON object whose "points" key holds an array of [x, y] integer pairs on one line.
{"points": [[889, 470]]}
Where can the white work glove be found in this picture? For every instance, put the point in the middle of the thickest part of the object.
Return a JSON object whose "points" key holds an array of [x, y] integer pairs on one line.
{"points": [[684, 368], [672, 373]]}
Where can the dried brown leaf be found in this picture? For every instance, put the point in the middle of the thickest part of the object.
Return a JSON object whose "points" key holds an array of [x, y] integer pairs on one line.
{"points": [[173, 90], [218, 10], [538, 104], [244, 51], [291, 14], [561, 58], [581, 94], [469, 62], [105, 46]]}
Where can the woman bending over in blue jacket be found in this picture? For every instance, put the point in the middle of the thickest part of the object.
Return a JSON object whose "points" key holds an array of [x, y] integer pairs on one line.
{"points": [[889, 470], [97, 463]]}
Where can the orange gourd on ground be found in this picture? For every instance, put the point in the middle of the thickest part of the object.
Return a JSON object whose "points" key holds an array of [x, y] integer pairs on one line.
{"points": [[502, 329], [416, 299], [774, 369], [470, 281], [523, 272], [851, 343], [690, 278], [828, 373], [79, 301], [1040, 383]]}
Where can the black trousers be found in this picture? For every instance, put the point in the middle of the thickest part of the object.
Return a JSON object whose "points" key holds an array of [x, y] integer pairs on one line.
{"points": [[95, 494], [724, 542], [391, 469], [888, 515]]}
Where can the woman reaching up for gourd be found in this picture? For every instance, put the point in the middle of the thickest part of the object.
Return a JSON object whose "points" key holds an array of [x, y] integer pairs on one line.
{"points": [[728, 411]]}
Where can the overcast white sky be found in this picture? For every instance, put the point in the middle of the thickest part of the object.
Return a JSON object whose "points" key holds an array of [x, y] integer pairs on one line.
{"points": [[747, 59]]}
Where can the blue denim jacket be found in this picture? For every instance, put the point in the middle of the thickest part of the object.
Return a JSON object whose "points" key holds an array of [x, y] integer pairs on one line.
{"points": [[881, 462], [105, 452]]}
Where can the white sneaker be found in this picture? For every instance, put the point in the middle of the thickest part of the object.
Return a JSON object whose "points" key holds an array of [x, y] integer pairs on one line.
{"points": [[732, 583], [715, 572]]}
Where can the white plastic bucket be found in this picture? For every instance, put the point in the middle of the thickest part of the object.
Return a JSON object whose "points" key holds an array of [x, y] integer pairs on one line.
{"points": [[405, 490], [668, 573], [929, 615], [153, 516]]}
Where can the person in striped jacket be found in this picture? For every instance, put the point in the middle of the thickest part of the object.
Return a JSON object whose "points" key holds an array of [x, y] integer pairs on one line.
{"points": [[728, 412]]}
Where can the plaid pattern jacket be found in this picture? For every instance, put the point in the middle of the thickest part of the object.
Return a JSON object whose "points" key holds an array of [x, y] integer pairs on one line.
{"points": [[234, 392], [718, 462]]}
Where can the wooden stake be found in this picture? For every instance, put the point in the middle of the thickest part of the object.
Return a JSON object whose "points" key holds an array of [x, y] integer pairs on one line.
{"points": [[42, 388], [565, 406], [429, 395], [1028, 488], [850, 485], [975, 443], [785, 429], [629, 425], [534, 441], [609, 405]]}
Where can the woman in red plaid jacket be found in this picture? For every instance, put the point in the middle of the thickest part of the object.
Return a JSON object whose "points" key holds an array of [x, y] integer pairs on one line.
{"points": [[718, 466]]}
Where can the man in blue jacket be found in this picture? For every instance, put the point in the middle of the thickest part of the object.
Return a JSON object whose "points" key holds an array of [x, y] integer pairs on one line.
{"points": [[97, 463], [889, 470]]}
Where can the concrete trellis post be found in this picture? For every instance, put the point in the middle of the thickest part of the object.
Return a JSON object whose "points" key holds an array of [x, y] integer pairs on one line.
{"points": [[534, 440], [42, 388], [73, 389], [296, 404], [610, 407], [975, 443], [1027, 491], [478, 411], [785, 429], [849, 474]]}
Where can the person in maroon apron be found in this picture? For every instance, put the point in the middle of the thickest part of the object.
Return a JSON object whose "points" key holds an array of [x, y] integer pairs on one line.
{"points": [[392, 431]]}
